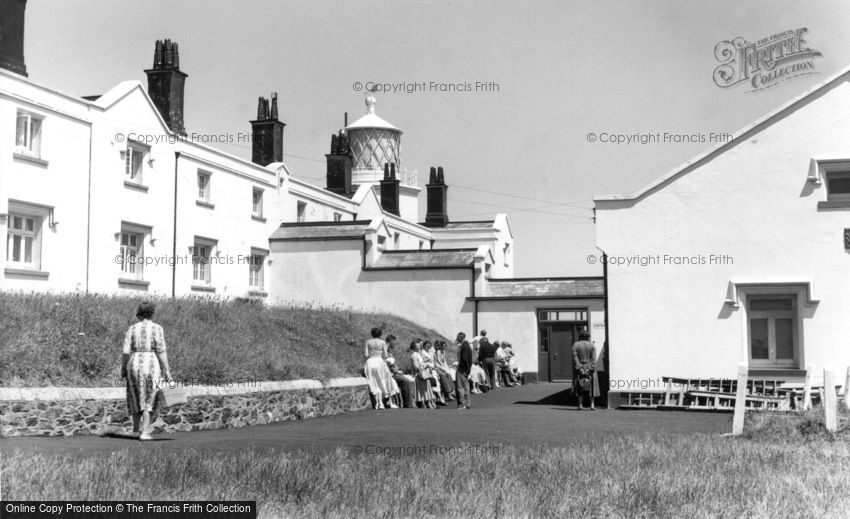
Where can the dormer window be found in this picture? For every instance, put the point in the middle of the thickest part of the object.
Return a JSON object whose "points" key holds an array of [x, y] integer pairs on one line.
{"points": [[833, 176]]}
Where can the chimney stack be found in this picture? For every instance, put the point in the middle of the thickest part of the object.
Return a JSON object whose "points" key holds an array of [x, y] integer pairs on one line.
{"points": [[437, 214], [166, 84], [12, 35], [390, 189], [339, 162], [267, 133]]}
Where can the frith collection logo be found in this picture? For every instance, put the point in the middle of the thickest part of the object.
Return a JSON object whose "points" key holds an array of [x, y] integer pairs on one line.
{"points": [[765, 63]]}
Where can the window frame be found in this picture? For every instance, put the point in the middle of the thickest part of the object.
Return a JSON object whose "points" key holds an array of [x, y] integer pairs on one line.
{"points": [[257, 203], [34, 235], [835, 174], [33, 139], [208, 247], [134, 173], [256, 269], [204, 194]]}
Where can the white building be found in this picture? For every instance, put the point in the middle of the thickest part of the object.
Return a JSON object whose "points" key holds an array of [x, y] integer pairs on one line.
{"points": [[111, 194], [741, 254]]}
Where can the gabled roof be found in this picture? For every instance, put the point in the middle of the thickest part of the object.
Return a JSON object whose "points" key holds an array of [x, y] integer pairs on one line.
{"points": [[737, 137], [545, 288], [305, 231], [446, 258]]}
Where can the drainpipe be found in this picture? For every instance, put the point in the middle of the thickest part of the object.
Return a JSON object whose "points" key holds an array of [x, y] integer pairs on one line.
{"points": [[174, 233], [88, 214], [605, 362], [474, 302]]}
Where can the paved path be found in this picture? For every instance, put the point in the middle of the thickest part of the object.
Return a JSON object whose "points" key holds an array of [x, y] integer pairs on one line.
{"points": [[527, 415]]}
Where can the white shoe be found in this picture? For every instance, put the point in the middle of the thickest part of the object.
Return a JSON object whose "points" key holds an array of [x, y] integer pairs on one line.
{"points": [[393, 406], [145, 437]]}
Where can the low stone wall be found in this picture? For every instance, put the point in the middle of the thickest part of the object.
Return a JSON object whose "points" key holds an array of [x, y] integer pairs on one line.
{"points": [[99, 411]]}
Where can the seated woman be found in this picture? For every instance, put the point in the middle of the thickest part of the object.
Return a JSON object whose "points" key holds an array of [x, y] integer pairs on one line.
{"points": [[478, 378], [381, 383], [446, 374], [424, 395], [405, 383]]}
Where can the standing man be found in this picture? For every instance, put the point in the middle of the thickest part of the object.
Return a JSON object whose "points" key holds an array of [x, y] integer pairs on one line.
{"points": [[487, 359], [585, 381], [464, 365]]}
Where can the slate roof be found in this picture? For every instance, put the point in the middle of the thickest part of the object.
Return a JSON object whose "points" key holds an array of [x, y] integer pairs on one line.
{"points": [[480, 224], [550, 288], [426, 258], [320, 231]]}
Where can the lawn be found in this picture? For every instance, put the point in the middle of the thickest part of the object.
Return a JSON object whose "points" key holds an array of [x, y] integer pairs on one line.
{"points": [[75, 340], [634, 475]]}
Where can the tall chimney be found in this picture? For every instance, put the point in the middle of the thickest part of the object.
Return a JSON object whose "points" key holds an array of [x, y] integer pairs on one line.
{"points": [[339, 162], [437, 214], [166, 84], [390, 190], [267, 133], [12, 35]]}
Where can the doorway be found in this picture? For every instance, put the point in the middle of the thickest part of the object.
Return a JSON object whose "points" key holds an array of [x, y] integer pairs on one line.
{"points": [[558, 330]]}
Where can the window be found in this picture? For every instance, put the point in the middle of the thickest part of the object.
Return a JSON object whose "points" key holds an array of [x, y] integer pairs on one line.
{"points": [[302, 210], [421, 244], [382, 240], [202, 253], [23, 244], [563, 315], [204, 186], [257, 203], [130, 250], [134, 159], [337, 217], [256, 262], [772, 330], [506, 253], [28, 134], [396, 239], [838, 186]]}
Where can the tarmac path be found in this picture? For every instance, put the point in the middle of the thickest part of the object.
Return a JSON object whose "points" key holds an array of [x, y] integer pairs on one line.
{"points": [[534, 414]]}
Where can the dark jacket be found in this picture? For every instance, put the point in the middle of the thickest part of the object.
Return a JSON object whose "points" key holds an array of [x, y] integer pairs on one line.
{"points": [[464, 358], [486, 350]]}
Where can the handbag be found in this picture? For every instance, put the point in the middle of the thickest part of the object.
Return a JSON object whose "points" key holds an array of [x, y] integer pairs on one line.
{"points": [[171, 396]]}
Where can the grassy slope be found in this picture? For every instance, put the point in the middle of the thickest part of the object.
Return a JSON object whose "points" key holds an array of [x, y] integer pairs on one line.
{"points": [[75, 340]]}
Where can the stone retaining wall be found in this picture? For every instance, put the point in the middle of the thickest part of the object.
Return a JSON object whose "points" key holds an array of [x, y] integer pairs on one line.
{"points": [[98, 411]]}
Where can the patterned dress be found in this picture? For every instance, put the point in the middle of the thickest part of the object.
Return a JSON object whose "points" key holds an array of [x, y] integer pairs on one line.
{"points": [[378, 375], [143, 341], [423, 393]]}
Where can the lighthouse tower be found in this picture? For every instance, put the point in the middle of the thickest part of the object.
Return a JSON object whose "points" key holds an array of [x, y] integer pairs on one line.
{"points": [[376, 161]]}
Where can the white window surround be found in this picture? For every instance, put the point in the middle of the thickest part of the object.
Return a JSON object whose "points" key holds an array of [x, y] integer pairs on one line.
{"points": [[28, 133], [739, 291], [132, 240], [257, 202], [27, 221], [134, 155], [202, 250], [256, 269], [204, 179]]}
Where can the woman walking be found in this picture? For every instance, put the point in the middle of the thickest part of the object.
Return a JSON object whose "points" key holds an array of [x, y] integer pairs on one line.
{"points": [[144, 360], [424, 393], [378, 375]]}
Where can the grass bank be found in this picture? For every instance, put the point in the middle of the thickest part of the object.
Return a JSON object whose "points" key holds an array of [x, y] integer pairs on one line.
{"points": [[75, 340], [666, 475]]}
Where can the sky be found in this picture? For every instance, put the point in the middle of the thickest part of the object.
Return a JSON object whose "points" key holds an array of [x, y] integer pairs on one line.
{"points": [[552, 72]]}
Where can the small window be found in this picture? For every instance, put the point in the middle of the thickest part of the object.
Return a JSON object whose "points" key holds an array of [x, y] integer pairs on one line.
{"points": [[421, 244], [134, 159], [506, 253], [28, 134], [23, 243], [255, 270], [302, 211], [257, 202], [838, 185], [201, 262], [396, 239], [131, 253], [382, 240], [204, 186], [337, 217]]}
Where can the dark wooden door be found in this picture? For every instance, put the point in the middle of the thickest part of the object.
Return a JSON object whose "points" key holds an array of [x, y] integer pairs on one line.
{"points": [[561, 339]]}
